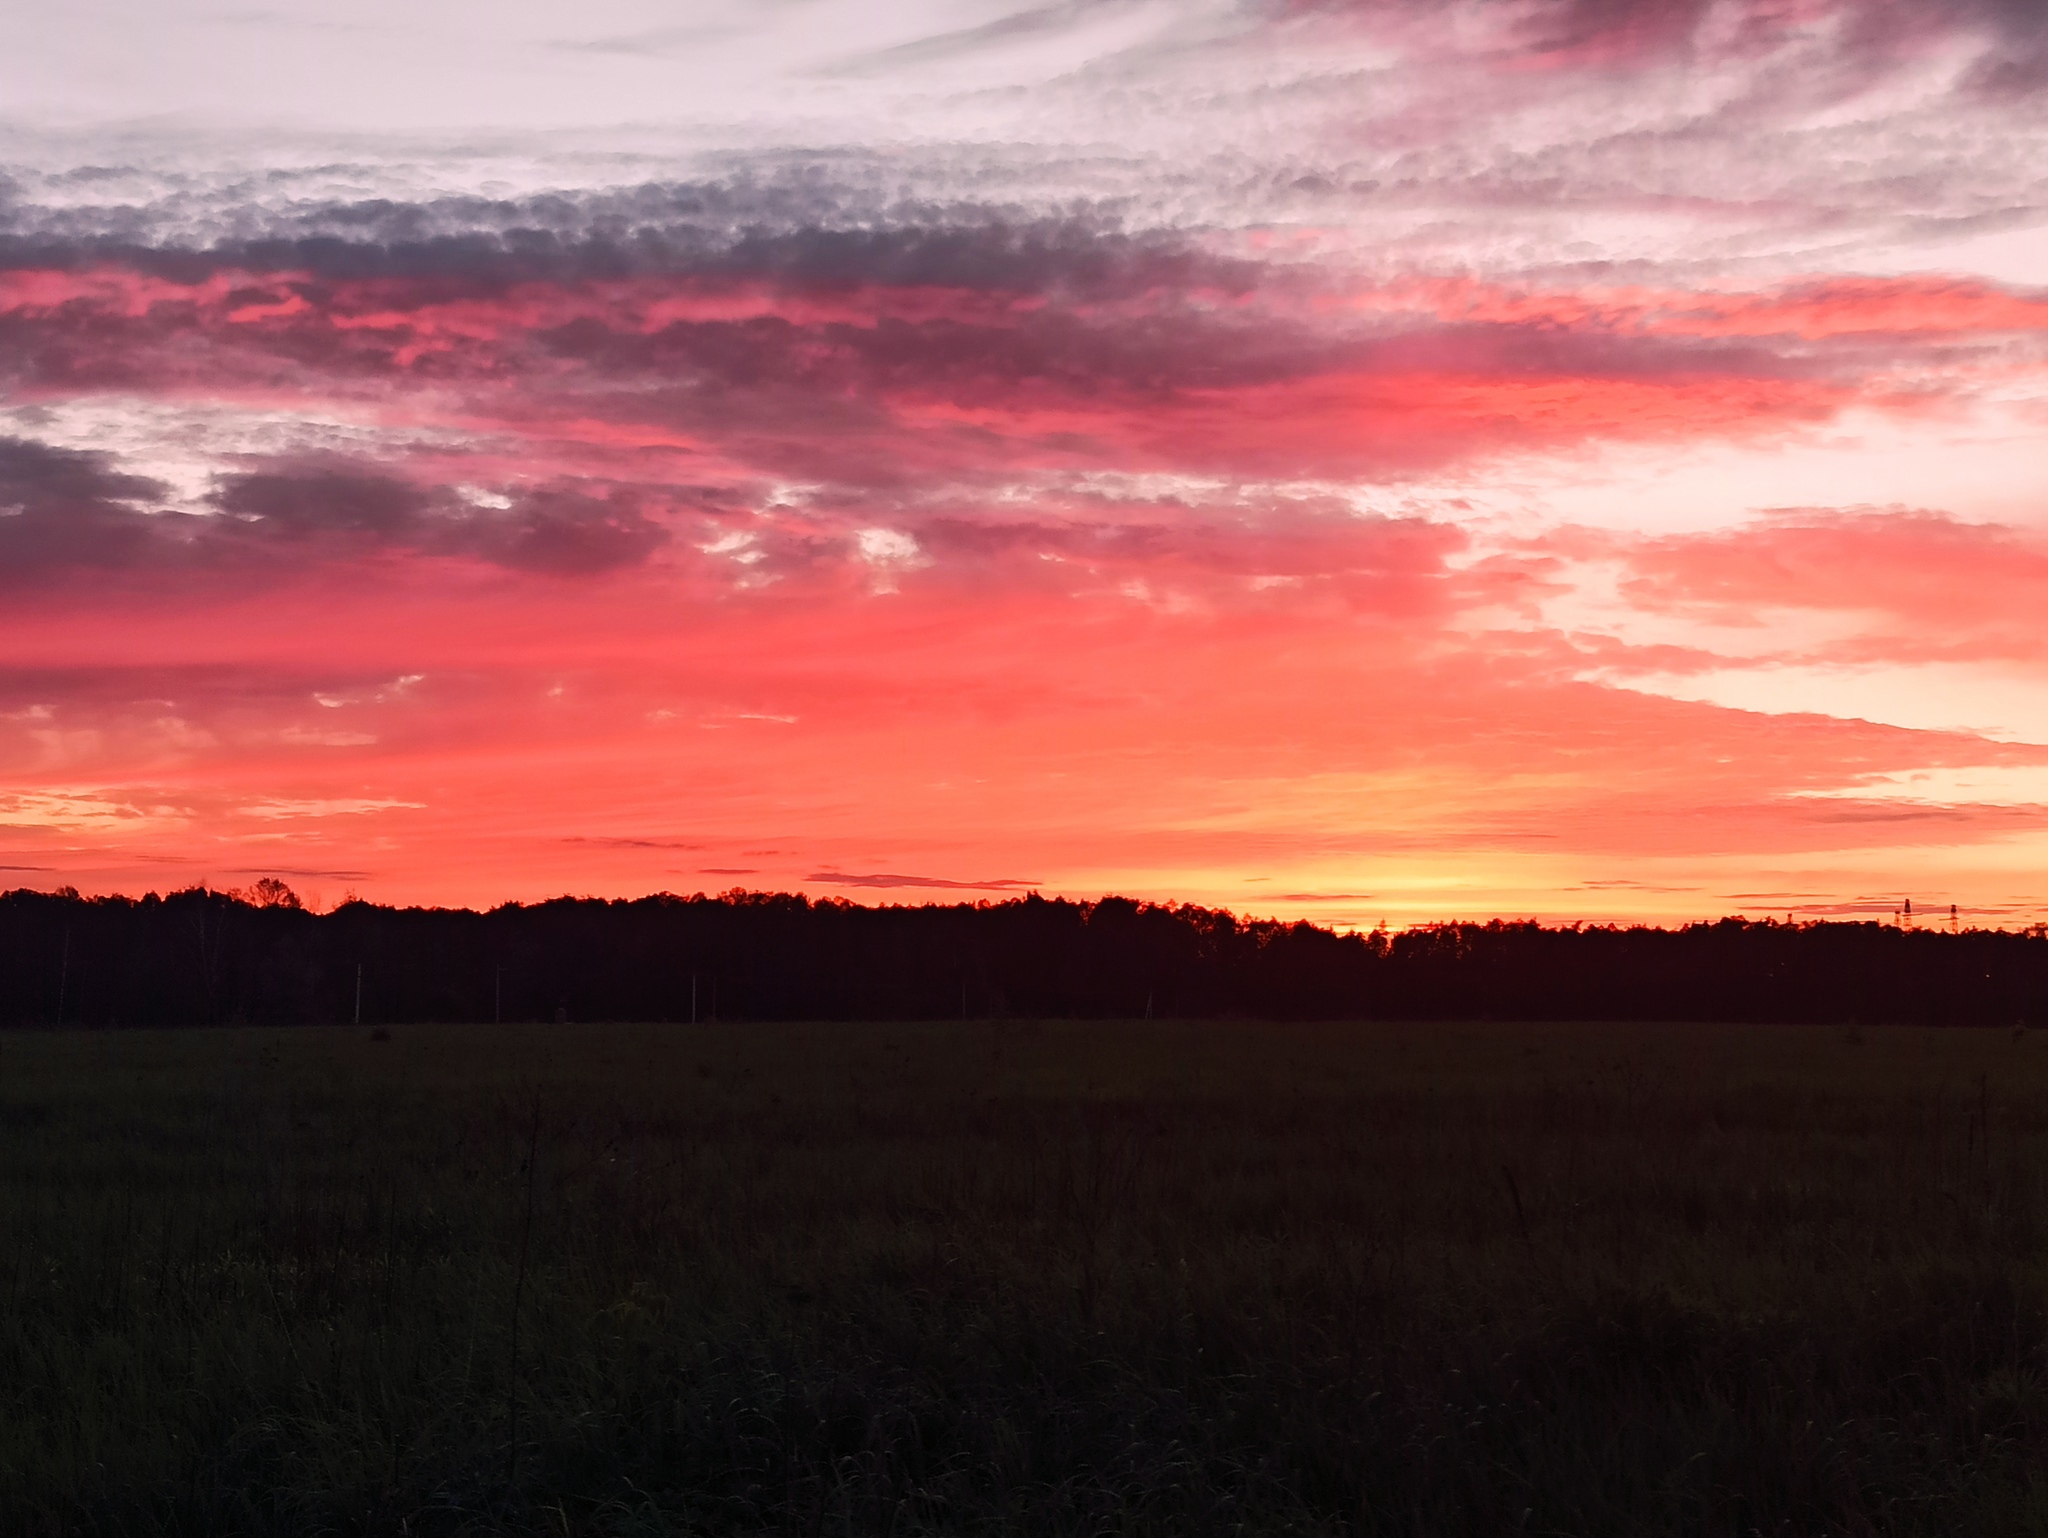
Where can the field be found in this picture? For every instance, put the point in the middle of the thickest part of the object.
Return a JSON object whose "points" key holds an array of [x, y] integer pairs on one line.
{"points": [[1024, 1278]]}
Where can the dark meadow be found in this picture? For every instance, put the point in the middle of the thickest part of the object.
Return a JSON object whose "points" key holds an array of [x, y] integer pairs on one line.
{"points": [[1054, 1277]]}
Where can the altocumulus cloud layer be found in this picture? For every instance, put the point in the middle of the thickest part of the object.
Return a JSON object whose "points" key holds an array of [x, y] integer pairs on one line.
{"points": [[1354, 459]]}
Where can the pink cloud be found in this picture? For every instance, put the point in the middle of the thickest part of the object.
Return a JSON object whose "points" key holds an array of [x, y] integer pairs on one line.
{"points": [[1927, 586], [1589, 37]]}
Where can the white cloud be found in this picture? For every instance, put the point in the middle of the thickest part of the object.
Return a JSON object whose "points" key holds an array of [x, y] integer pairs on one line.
{"points": [[301, 737], [888, 547], [342, 806]]}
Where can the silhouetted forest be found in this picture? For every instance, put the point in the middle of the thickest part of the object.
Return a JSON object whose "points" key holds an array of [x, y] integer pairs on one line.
{"points": [[204, 957]]}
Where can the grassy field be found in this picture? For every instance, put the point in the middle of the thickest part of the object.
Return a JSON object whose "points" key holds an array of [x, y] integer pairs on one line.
{"points": [[1024, 1278]]}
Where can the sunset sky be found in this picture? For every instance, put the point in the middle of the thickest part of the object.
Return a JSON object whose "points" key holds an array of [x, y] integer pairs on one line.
{"points": [[1355, 460]]}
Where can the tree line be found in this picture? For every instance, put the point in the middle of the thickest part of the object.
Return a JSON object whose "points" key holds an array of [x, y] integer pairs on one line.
{"points": [[258, 957]]}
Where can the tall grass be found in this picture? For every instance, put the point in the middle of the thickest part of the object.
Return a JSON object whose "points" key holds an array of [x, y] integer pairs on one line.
{"points": [[1024, 1278]]}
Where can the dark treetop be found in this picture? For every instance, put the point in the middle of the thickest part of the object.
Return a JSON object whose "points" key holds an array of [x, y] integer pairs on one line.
{"points": [[204, 957]]}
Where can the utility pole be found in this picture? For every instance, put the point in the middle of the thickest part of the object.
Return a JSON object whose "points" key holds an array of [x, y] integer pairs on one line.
{"points": [[63, 975], [359, 993], [498, 995]]}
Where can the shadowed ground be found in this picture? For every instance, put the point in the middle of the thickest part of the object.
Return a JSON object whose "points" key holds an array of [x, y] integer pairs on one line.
{"points": [[1038, 1278]]}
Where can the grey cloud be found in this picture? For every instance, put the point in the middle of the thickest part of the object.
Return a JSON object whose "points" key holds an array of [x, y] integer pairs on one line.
{"points": [[650, 44], [841, 878], [67, 512], [563, 532], [632, 843], [1039, 21], [63, 509], [325, 502], [809, 230]]}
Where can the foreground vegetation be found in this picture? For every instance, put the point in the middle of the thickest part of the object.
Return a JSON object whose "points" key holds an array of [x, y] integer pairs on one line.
{"points": [[1024, 1278]]}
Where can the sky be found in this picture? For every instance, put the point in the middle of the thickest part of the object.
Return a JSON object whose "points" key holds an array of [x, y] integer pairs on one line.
{"points": [[1358, 460]]}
